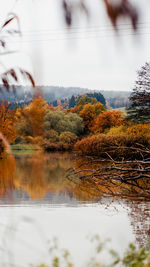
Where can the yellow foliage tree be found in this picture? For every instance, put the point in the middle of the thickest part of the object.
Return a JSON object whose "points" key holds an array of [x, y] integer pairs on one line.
{"points": [[32, 118], [90, 112]]}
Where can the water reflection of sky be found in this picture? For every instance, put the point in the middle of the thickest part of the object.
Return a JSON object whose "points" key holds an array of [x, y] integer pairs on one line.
{"points": [[29, 229], [39, 202]]}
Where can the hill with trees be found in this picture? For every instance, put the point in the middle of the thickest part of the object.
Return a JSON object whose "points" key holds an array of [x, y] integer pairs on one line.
{"points": [[52, 94]]}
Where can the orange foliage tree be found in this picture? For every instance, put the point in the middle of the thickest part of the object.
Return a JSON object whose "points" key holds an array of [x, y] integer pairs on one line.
{"points": [[32, 118], [108, 119], [7, 121], [90, 112]]}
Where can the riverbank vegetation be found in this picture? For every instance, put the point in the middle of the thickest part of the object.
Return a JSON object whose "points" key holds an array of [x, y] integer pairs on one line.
{"points": [[122, 136], [89, 128], [123, 142]]}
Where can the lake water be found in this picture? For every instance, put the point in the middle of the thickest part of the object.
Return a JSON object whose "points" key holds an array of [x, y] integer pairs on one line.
{"points": [[39, 203]]}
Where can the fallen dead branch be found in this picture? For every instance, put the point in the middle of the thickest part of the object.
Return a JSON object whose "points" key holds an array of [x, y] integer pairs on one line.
{"points": [[111, 174]]}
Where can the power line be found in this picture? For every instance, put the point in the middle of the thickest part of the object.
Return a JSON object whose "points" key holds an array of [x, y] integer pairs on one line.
{"points": [[85, 31], [84, 28], [80, 38], [79, 33], [96, 29]]}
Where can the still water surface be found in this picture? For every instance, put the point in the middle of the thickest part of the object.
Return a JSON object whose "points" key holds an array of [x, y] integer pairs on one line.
{"points": [[39, 202]]}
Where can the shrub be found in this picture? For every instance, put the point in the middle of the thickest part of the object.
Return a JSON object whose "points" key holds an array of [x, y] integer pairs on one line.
{"points": [[136, 129], [50, 147], [61, 122], [38, 140], [118, 146], [20, 140], [117, 130], [52, 136], [139, 129], [29, 139], [68, 137]]}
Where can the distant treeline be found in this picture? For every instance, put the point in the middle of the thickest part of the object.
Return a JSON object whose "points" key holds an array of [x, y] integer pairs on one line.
{"points": [[66, 96]]}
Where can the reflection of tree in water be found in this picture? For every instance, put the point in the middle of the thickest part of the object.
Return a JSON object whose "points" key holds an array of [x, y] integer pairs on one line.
{"points": [[41, 174], [104, 175], [7, 168], [139, 214], [29, 176], [44, 173], [56, 176], [83, 190]]}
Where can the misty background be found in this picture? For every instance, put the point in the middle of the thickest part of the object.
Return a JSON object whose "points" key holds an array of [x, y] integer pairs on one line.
{"points": [[89, 55]]}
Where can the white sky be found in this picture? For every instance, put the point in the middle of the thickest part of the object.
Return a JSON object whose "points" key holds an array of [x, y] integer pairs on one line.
{"points": [[94, 57]]}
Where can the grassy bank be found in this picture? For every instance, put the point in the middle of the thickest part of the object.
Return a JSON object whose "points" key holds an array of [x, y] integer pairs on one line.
{"points": [[25, 148]]}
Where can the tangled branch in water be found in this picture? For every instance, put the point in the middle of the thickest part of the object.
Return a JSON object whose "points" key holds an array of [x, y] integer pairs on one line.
{"points": [[110, 175]]}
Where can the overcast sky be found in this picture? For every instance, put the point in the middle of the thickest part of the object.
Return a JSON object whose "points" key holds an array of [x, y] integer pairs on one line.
{"points": [[90, 55]]}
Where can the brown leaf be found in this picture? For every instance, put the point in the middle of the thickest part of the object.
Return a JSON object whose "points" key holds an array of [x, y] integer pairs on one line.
{"points": [[67, 13], [5, 82], [30, 78], [124, 9], [3, 43], [28, 75], [13, 74], [8, 21]]}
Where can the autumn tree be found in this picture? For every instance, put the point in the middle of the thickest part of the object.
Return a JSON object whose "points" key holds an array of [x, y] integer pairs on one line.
{"points": [[108, 119], [139, 111], [99, 97], [68, 137], [85, 99], [32, 118], [7, 120], [61, 122], [90, 112], [81, 102]]}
